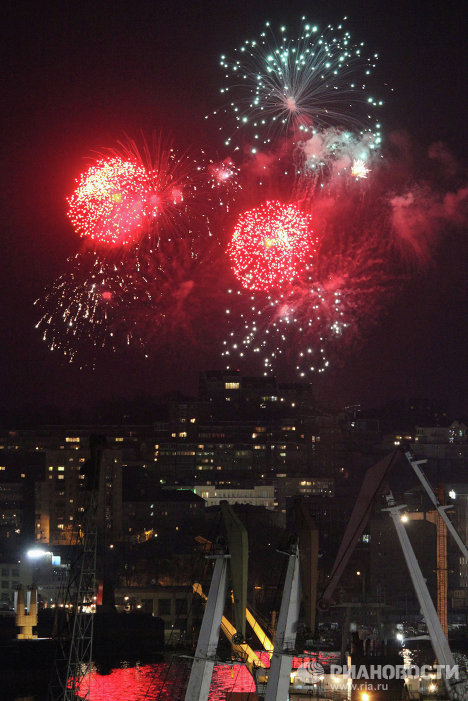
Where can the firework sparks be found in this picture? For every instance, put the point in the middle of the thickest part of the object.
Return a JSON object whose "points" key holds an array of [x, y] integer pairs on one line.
{"points": [[269, 244], [134, 192], [315, 80], [113, 202], [333, 154], [144, 300], [333, 297], [306, 112], [84, 307], [359, 169]]}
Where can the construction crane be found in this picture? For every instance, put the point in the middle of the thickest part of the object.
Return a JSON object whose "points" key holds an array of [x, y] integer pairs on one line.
{"points": [[443, 524], [244, 651], [273, 683], [441, 537], [375, 483], [71, 676], [457, 689], [236, 553], [277, 688]]}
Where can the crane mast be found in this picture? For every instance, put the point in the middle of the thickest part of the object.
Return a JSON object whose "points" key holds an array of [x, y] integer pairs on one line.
{"points": [[71, 676]]}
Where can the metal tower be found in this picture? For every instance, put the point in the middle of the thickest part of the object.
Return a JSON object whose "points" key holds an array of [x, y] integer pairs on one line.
{"points": [[72, 670]]}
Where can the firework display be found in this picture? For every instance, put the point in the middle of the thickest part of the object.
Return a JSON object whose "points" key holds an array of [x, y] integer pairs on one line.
{"points": [[335, 295], [113, 201], [133, 192], [269, 245], [302, 229], [139, 302], [84, 306], [311, 81]]}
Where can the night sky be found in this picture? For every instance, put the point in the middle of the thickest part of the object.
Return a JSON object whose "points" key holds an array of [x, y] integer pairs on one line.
{"points": [[77, 77]]}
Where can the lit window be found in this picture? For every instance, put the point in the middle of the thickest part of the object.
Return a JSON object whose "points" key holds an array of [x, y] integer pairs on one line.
{"points": [[183, 434], [231, 385], [2, 468], [61, 468], [73, 439], [119, 440], [61, 477], [192, 421]]}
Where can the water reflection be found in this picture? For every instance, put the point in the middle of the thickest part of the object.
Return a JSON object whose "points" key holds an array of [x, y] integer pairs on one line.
{"points": [[168, 680], [164, 680]]}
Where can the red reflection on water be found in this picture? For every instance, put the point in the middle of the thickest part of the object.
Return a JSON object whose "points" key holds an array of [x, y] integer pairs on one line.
{"points": [[168, 681], [152, 681]]}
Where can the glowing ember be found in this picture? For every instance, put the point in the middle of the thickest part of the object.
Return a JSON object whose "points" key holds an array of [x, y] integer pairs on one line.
{"points": [[359, 169], [270, 244]]}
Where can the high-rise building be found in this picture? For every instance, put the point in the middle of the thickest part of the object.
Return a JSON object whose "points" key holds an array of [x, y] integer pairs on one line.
{"points": [[60, 498]]}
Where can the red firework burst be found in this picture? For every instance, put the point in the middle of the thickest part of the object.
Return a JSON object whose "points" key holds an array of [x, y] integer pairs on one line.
{"points": [[114, 201], [270, 245]]}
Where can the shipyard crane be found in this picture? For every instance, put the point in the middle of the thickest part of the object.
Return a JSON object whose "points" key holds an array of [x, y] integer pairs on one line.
{"points": [[71, 676], [376, 483], [236, 554], [301, 575], [243, 650], [277, 678], [457, 689]]}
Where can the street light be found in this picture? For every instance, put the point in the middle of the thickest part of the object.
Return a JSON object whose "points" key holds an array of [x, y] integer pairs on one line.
{"points": [[36, 553]]}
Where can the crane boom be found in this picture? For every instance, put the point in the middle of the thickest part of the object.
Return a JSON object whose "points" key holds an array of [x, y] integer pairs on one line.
{"points": [[244, 651]]}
